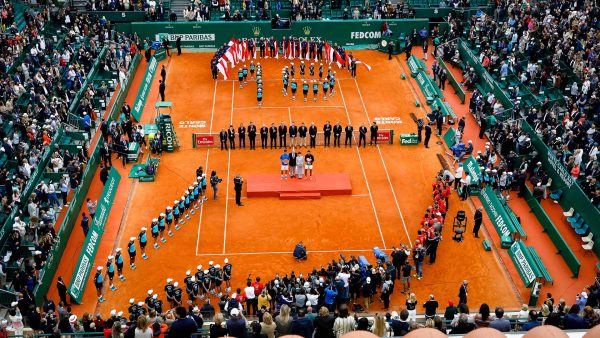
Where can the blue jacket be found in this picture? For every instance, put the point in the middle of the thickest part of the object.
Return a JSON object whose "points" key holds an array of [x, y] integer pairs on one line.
{"points": [[302, 327]]}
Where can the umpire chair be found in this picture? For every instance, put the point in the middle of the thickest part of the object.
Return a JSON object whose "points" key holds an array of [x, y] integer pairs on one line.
{"points": [[459, 226]]}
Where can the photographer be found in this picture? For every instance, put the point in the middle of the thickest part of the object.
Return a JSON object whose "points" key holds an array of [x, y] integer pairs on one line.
{"points": [[214, 181]]}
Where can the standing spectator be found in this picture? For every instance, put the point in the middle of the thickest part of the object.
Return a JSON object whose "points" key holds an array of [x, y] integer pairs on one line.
{"points": [[344, 323], [183, 326], [477, 219], [85, 224], [430, 307], [324, 324], [236, 325], [302, 326], [462, 292]]}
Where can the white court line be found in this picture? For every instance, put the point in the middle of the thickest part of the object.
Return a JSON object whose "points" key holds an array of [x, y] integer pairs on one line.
{"points": [[212, 114], [385, 168], [363, 170], [283, 252], [283, 107], [201, 207], [354, 195], [228, 170]]}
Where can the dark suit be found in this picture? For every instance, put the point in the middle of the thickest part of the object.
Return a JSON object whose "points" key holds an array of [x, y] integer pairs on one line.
{"points": [[242, 136], [231, 137], [223, 138], [349, 131], [252, 136], [62, 291], [312, 131], [462, 294], [264, 132], [427, 135], [273, 136], [477, 218], [327, 134], [337, 134], [374, 129], [282, 135], [302, 327], [362, 136]]}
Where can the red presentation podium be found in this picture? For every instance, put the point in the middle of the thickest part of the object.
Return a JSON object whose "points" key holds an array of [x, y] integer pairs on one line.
{"points": [[271, 185]]}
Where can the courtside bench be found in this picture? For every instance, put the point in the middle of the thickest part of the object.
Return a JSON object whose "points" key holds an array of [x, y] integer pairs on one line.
{"points": [[538, 261], [139, 170]]}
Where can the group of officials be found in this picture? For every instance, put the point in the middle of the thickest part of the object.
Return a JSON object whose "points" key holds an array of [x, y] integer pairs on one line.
{"points": [[296, 135]]}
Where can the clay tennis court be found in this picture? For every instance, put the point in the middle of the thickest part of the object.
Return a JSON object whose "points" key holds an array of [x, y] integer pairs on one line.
{"points": [[391, 188]]}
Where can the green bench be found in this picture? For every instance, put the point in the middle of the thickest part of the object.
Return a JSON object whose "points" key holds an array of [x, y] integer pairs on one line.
{"points": [[450, 137], [538, 261], [413, 66]]}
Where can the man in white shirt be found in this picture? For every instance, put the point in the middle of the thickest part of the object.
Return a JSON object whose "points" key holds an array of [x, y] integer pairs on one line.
{"points": [[345, 276], [466, 183], [459, 176]]}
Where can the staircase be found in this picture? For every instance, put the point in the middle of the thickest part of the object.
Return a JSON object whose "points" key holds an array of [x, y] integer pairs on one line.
{"points": [[20, 9], [178, 6]]}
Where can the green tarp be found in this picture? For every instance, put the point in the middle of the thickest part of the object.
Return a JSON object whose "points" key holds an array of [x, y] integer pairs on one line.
{"points": [[525, 264], [84, 265]]}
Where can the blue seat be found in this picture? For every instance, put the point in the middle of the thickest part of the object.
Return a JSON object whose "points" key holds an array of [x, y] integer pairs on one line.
{"points": [[574, 218], [578, 224], [556, 195], [583, 230]]}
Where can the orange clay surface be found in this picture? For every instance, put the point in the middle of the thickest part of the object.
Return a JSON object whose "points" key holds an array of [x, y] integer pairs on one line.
{"points": [[391, 190]]}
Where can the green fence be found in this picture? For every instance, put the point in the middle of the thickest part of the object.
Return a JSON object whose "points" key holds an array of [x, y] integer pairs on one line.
{"points": [[142, 96], [563, 248], [84, 265], [214, 34], [572, 195]]}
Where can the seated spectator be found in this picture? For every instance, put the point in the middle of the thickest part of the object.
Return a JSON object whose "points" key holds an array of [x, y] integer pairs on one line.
{"points": [[463, 326], [499, 323], [532, 321], [572, 320]]}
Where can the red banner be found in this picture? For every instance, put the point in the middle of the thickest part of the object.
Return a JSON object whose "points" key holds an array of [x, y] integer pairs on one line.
{"points": [[203, 140], [384, 136]]}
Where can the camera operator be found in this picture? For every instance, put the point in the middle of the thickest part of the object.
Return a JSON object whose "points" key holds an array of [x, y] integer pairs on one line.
{"points": [[214, 181]]}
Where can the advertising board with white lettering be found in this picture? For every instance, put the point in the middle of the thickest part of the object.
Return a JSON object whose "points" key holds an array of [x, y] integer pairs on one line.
{"points": [[83, 268]]}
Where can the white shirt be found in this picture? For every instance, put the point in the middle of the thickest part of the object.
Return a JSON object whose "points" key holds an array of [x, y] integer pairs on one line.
{"points": [[344, 277], [459, 172], [250, 292]]}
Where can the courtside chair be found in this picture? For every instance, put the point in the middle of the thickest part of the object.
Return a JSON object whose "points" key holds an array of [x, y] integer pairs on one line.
{"points": [[569, 213], [582, 230], [556, 195], [588, 238], [574, 219], [588, 246]]}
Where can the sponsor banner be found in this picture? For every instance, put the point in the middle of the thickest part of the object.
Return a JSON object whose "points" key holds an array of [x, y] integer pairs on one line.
{"points": [[472, 168], [140, 100], [387, 120], [496, 212], [385, 136], [202, 140], [522, 259], [409, 139], [212, 34], [83, 268]]}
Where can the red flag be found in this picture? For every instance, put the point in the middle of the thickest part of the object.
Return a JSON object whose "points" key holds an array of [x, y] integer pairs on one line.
{"points": [[276, 50], [267, 48], [222, 67], [364, 64], [246, 51], [315, 48], [229, 54], [290, 49], [328, 51], [338, 59], [347, 59], [233, 50], [255, 48], [307, 50]]}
